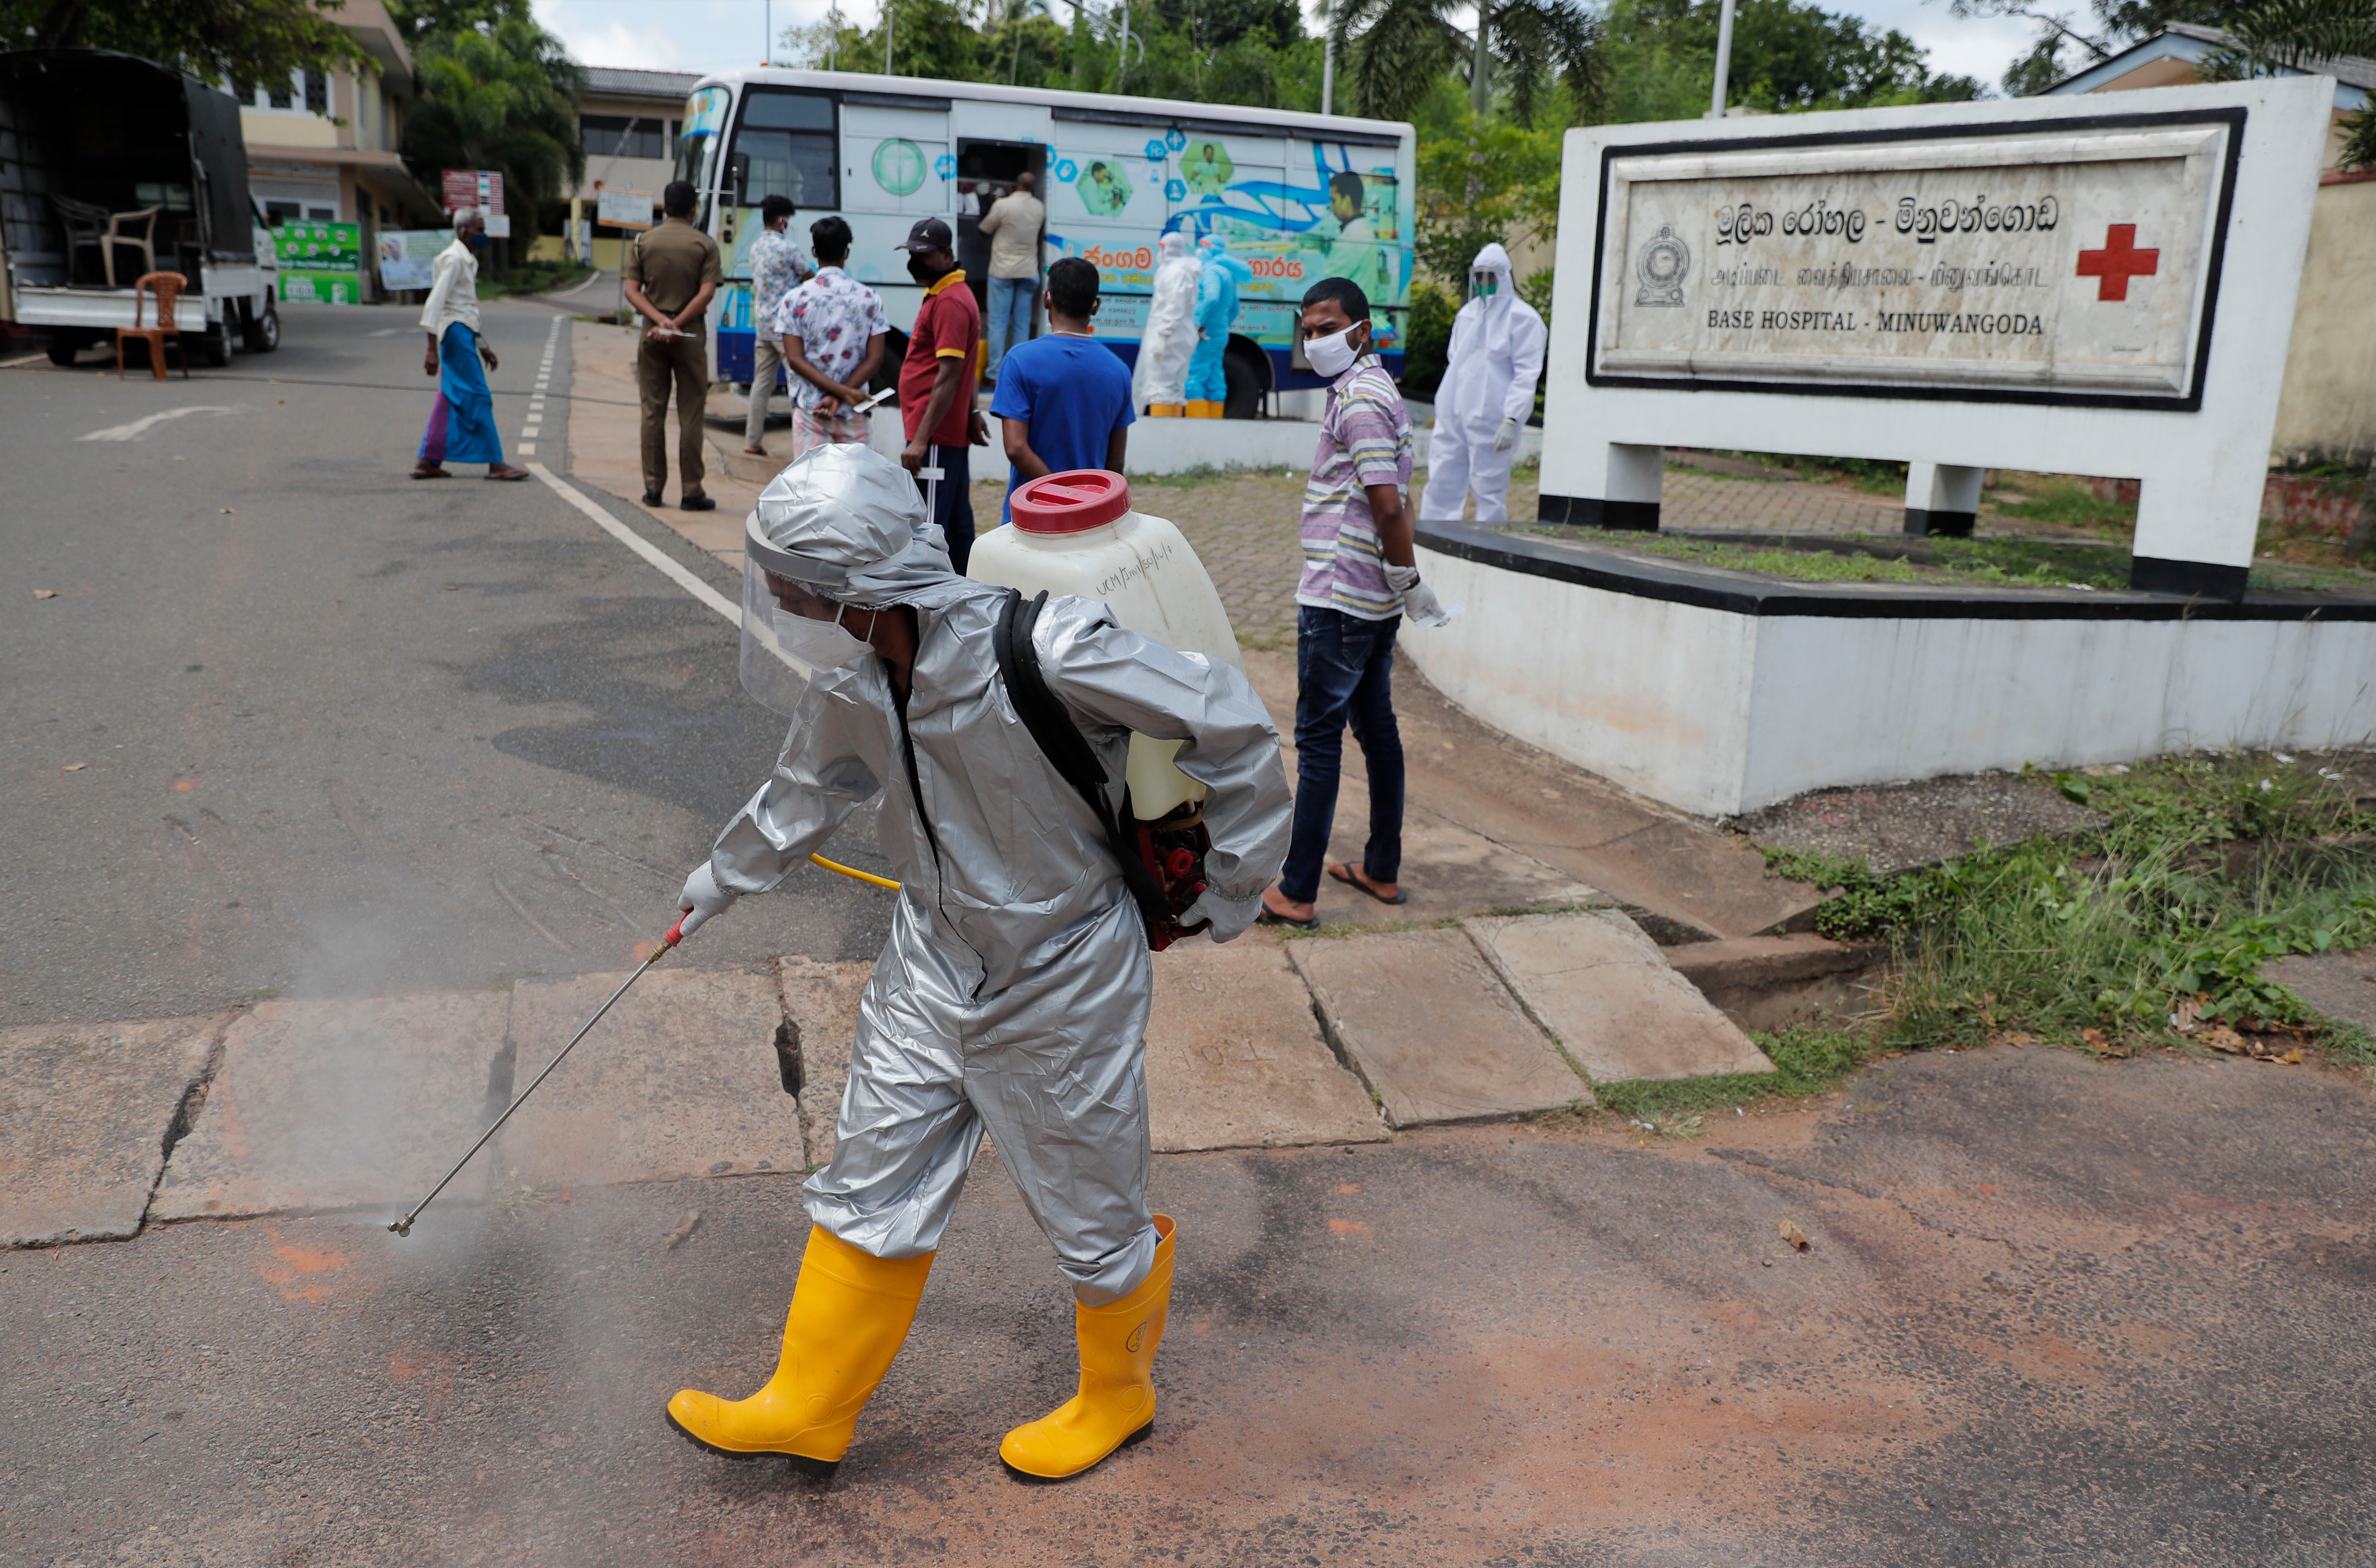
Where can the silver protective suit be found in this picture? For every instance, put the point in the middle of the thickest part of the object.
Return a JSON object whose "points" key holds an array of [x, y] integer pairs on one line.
{"points": [[1013, 995]]}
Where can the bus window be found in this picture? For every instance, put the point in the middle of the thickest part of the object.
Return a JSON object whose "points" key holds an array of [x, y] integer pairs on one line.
{"points": [[789, 139], [696, 147]]}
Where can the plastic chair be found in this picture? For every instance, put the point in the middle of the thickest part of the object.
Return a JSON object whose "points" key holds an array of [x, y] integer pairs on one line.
{"points": [[86, 226], [145, 241], [167, 287]]}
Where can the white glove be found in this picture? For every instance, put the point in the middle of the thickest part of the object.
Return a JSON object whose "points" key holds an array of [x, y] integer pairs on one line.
{"points": [[1419, 604], [1229, 916], [1507, 436], [702, 897]]}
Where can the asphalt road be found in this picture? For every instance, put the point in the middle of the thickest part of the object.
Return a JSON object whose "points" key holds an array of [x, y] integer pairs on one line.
{"points": [[2055, 1310], [340, 731]]}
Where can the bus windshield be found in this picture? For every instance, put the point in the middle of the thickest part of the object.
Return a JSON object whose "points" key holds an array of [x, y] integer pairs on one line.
{"points": [[696, 147]]}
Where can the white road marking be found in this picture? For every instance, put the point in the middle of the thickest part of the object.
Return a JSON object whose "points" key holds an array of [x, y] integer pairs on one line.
{"points": [[580, 287], [669, 567], [527, 449], [139, 428], [387, 332]]}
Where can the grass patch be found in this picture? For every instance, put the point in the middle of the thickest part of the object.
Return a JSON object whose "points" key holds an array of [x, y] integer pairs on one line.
{"points": [[2144, 931], [1987, 563], [2060, 501], [1875, 477], [1998, 563], [1208, 473], [1806, 1062], [532, 278]]}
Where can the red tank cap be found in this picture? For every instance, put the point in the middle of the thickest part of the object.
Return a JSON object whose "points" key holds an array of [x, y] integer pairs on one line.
{"points": [[1070, 502]]}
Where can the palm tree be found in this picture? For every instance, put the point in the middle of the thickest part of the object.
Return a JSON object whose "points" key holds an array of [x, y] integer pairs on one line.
{"points": [[502, 98], [2299, 35], [1394, 50]]}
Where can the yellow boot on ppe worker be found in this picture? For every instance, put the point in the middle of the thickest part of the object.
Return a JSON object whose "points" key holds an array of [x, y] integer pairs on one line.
{"points": [[1116, 1404], [850, 1315], [1164, 410], [1204, 408]]}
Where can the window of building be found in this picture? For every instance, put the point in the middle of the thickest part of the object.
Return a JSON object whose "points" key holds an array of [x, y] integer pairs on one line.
{"points": [[318, 90], [621, 136], [305, 93]]}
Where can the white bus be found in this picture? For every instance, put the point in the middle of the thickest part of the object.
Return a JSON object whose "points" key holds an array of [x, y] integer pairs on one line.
{"points": [[1298, 196]]}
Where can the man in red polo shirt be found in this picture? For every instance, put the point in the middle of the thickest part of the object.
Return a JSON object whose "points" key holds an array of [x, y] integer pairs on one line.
{"points": [[937, 381]]}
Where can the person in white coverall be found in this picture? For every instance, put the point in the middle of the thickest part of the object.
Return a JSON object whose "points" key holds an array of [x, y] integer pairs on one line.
{"points": [[1487, 393], [1160, 379], [1012, 997]]}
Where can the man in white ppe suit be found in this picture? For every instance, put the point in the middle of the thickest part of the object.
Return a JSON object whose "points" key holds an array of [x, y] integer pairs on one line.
{"points": [[1486, 396], [1160, 379], [1013, 995]]}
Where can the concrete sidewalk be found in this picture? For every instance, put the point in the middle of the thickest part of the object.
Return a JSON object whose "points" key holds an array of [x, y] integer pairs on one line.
{"points": [[324, 1105]]}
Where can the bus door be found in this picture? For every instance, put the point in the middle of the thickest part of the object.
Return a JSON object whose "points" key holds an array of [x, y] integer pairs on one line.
{"points": [[986, 172], [783, 145], [895, 168]]}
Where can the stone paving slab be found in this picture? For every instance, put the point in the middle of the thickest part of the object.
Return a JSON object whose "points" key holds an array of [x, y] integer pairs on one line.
{"points": [[680, 1079], [1431, 1028], [1235, 1058], [84, 1110], [822, 999], [1601, 986], [337, 1103]]}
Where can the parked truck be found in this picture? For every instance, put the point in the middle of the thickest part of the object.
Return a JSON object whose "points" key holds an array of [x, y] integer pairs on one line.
{"points": [[111, 166]]}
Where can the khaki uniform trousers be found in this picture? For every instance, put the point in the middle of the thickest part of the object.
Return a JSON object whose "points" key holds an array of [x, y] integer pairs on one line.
{"points": [[659, 363]]}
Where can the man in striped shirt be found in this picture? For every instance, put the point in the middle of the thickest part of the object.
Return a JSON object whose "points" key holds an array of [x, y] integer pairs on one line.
{"points": [[1358, 582]]}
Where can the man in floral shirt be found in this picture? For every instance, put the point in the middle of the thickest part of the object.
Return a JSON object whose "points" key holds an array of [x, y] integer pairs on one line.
{"points": [[777, 268], [832, 328]]}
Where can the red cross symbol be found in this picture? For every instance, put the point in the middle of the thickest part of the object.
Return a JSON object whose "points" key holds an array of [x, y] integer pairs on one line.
{"points": [[2119, 261]]}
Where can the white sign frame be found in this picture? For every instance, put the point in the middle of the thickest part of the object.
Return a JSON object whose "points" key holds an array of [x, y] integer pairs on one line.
{"points": [[2201, 453]]}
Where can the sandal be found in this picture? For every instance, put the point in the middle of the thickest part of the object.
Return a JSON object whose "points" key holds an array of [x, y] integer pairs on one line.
{"points": [[430, 470], [1272, 917], [1343, 873]]}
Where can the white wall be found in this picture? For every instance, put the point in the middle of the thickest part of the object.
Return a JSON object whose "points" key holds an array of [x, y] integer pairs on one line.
{"points": [[1717, 712]]}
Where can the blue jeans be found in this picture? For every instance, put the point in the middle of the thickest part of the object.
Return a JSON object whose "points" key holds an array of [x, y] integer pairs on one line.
{"points": [[1344, 675], [1011, 300]]}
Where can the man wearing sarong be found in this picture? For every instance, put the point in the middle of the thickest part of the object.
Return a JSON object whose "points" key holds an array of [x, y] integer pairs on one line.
{"points": [[462, 419]]}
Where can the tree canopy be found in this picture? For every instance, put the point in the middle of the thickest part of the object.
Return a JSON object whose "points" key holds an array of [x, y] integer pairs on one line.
{"points": [[223, 42], [499, 95]]}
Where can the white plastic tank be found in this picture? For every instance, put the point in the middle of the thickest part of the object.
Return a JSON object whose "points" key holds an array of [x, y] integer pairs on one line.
{"points": [[1075, 533]]}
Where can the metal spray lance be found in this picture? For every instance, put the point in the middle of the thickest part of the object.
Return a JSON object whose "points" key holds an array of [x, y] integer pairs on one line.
{"points": [[683, 928]]}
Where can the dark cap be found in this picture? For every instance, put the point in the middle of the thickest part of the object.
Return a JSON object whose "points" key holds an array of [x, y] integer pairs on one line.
{"points": [[929, 234]]}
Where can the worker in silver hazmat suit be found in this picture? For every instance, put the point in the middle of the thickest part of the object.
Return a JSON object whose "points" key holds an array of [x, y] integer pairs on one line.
{"points": [[1486, 397], [1013, 995]]}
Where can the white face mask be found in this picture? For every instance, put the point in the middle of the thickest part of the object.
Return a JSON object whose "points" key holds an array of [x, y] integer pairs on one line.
{"points": [[1334, 355], [820, 645]]}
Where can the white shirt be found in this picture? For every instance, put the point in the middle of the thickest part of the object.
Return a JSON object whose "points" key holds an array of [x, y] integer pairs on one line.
{"points": [[455, 294]]}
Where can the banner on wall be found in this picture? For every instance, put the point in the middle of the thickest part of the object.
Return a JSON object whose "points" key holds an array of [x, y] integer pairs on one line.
{"points": [[407, 257], [320, 262], [623, 209]]}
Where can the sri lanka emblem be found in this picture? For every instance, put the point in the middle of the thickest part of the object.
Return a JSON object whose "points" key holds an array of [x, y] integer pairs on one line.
{"points": [[1662, 264]]}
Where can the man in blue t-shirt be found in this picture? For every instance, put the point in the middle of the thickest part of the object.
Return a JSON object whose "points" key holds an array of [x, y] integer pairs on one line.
{"points": [[1064, 398]]}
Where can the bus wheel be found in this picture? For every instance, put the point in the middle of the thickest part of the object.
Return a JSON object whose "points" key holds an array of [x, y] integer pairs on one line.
{"points": [[1248, 379]]}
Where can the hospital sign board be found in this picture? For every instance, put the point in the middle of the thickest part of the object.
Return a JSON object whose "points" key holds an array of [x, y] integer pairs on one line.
{"points": [[2051, 264]]}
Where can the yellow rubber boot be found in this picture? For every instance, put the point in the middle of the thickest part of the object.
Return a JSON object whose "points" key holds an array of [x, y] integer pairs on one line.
{"points": [[1164, 410], [1116, 1404], [1204, 408], [851, 1312]]}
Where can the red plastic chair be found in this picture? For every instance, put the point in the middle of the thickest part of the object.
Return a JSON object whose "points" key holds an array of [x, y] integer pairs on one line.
{"points": [[167, 287]]}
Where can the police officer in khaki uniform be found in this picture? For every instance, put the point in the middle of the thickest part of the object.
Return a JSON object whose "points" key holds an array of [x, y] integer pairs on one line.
{"points": [[671, 273]]}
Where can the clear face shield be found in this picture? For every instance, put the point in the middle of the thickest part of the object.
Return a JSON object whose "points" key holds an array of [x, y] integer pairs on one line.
{"points": [[791, 635], [1486, 284]]}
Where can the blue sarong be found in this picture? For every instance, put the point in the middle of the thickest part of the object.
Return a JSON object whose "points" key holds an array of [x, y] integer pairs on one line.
{"points": [[462, 420]]}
